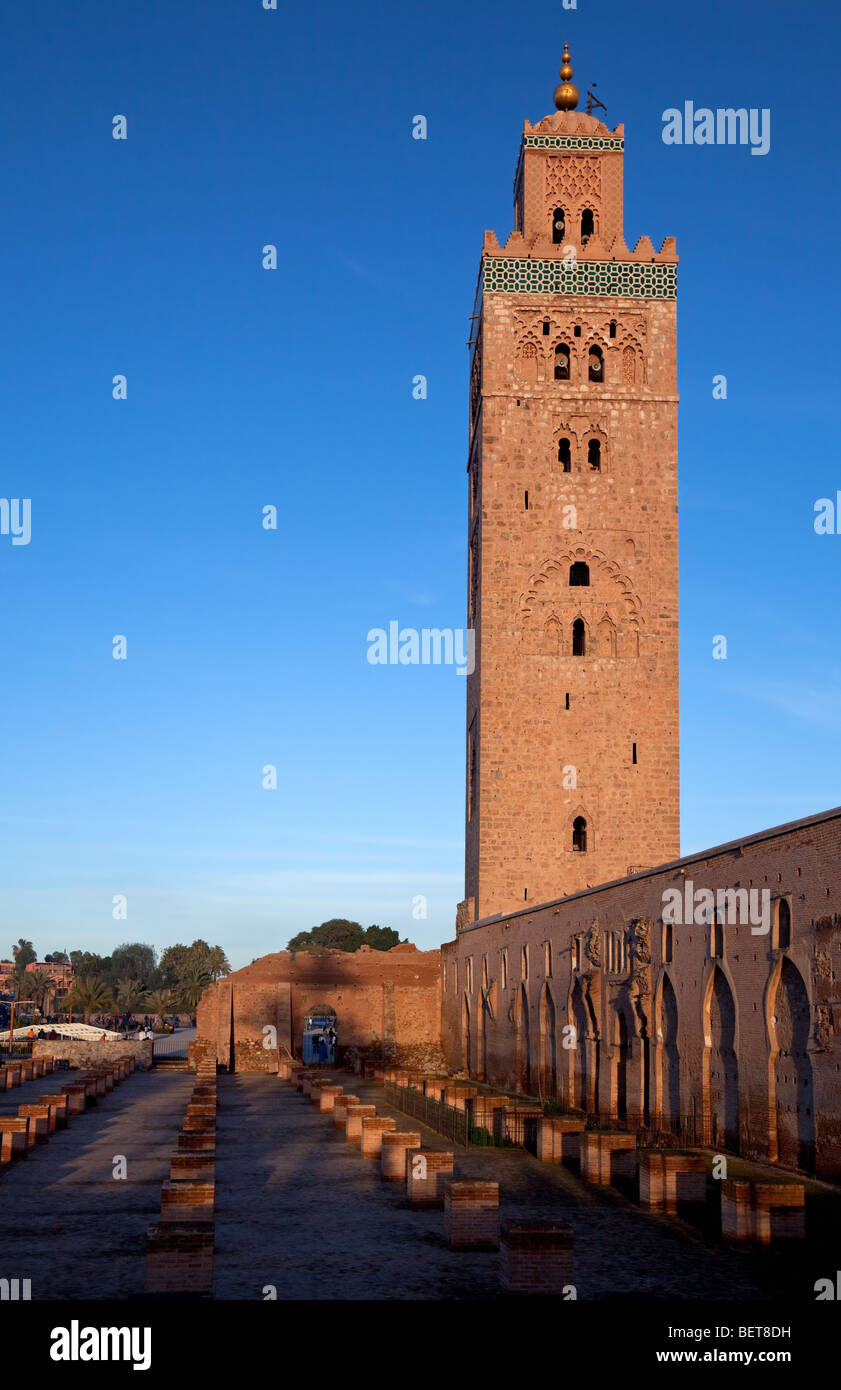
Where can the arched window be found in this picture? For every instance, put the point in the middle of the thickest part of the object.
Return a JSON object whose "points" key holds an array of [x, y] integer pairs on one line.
{"points": [[579, 834], [565, 455], [562, 362], [558, 226], [594, 455], [595, 365], [579, 573], [579, 638], [613, 328], [783, 924], [588, 225]]}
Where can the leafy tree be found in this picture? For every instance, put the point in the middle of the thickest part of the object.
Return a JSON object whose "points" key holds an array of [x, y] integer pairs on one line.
{"points": [[174, 963], [24, 954], [218, 963], [134, 961], [341, 935], [90, 995], [89, 963], [56, 958], [382, 938]]}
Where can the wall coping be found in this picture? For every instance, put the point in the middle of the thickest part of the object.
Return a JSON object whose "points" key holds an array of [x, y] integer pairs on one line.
{"points": [[674, 865]]}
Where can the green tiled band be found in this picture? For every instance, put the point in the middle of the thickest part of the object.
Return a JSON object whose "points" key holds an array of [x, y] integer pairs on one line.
{"points": [[573, 142], [523, 276]]}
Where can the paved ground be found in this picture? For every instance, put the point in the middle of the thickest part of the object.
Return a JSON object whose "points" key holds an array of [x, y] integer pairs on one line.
{"points": [[297, 1207], [69, 1225]]}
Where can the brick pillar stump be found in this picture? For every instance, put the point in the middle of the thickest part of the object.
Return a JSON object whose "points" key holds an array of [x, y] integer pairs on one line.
{"points": [[58, 1108], [37, 1067], [340, 1106], [76, 1095], [195, 1166], [395, 1145], [49, 1065], [14, 1137], [371, 1137], [426, 1173], [471, 1215], [536, 1258], [197, 1142], [559, 1138], [179, 1258], [606, 1156], [187, 1200], [762, 1211], [327, 1098], [26, 1070], [355, 1115], [204, 1124], [39, 1122], [13, 1074], [668, 1177]]}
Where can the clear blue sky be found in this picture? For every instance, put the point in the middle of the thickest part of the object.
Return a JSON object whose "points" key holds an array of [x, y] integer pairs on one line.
{"points": [[293, 388]]}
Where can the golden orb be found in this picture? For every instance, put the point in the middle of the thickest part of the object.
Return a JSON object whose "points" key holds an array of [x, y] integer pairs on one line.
{"points": [[566, 95]]}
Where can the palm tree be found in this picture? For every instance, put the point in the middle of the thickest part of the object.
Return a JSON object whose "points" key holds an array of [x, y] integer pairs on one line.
{"points": [[192, 985], [129, 995], [36, 985], [90, 995], [217, 962], [159, 1002]]}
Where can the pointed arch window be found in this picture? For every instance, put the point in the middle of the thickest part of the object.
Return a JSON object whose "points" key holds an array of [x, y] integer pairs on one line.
{"points": [[595, 364], [594, 455], [562, 362], [579, 638], [588, 225], [558, 226], [579, 835], [565, 455]]}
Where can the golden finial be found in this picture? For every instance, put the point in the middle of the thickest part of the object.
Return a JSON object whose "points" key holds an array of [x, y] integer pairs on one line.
{"points": [[566, 95]]}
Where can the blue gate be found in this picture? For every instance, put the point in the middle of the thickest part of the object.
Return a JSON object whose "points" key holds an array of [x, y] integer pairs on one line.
{"points": [[320, 1038]]}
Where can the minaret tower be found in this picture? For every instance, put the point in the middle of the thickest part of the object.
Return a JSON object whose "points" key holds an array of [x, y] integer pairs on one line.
{"points": [[572, 709]]}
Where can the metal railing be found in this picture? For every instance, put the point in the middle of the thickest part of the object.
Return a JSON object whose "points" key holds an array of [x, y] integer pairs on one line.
{"points": [[444, 1119]]}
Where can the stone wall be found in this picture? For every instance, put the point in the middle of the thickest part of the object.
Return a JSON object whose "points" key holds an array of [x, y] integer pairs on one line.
{"points": [[595, 1002], [83, 1053], [387, 1004]]}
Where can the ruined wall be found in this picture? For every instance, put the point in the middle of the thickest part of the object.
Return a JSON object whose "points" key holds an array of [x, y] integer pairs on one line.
{"points": [[387, 1002], [704, 1024], [91, 1053]]}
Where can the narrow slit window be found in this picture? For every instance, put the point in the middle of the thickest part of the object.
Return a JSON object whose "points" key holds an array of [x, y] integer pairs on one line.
{"points": [[588, 225], [565, 455], [527, 501], [633, 753], [579, 835], [558, 226], [579, 638]]}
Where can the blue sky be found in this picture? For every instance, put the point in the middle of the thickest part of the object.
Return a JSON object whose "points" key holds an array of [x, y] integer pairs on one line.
{"points": [[293, 388]]}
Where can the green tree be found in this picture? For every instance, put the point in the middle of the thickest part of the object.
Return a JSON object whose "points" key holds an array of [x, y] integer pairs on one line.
{"points": [[36, 985], [56, 958], [128, 996], [160, 1002], [192, 986], [89, 963], [218, 962], [134, 961], [24, 954], [382, 938], [90, 995]]}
